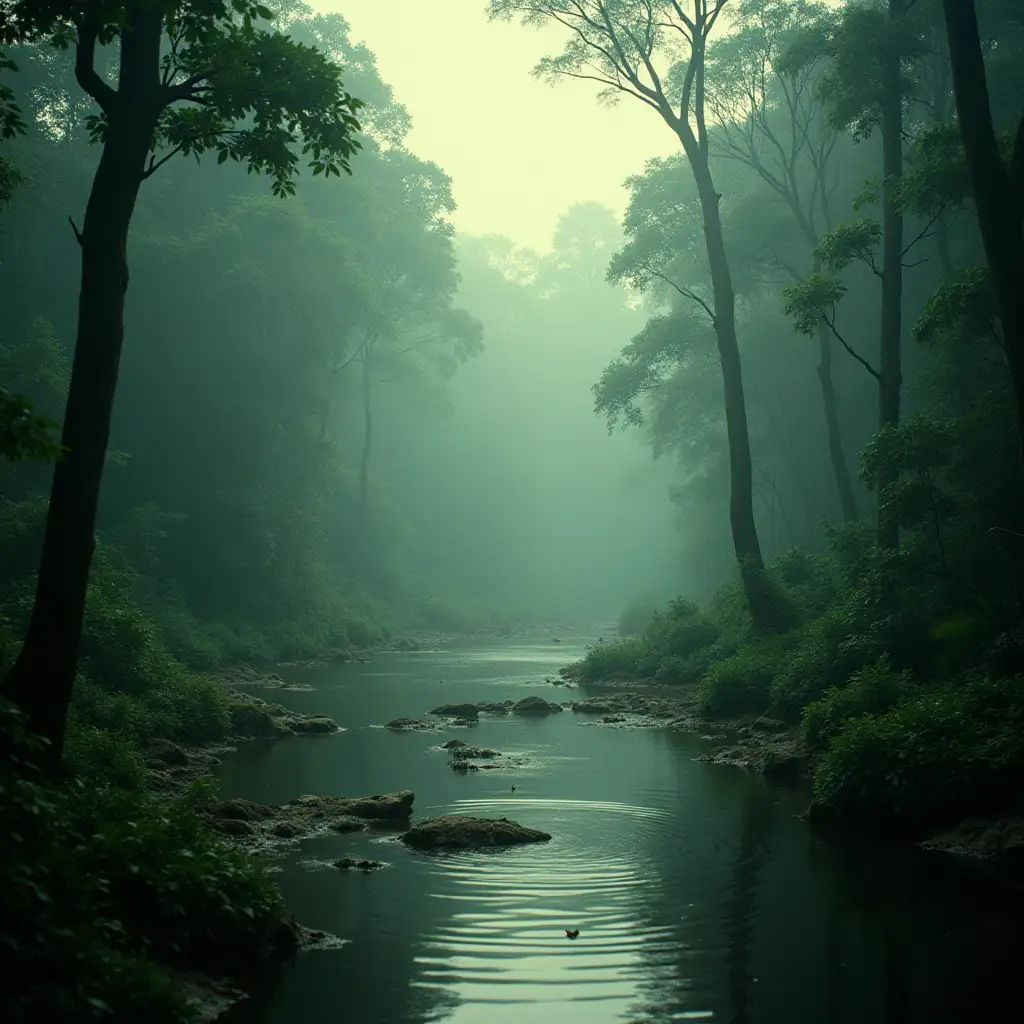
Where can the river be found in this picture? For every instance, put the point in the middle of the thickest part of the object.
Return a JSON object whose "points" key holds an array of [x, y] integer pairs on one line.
{"points": [[698, 892]]}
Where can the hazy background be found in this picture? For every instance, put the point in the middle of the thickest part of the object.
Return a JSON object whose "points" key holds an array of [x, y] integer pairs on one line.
{"points": [[519, 151]]}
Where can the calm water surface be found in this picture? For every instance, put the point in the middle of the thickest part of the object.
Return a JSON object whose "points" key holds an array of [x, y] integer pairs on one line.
{"points": [[698, 893]]}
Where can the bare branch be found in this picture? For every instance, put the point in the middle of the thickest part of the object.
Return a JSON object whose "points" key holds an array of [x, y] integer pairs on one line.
{"points": [[925, 232], [831, 325], [686, 293]]}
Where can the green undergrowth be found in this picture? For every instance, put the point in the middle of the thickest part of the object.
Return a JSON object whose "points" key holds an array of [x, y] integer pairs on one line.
{"points": [[106, 887], [905, 688]]}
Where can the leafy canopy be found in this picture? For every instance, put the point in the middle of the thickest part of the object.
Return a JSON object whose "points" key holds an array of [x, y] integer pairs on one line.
{"points": [[224, 80]]}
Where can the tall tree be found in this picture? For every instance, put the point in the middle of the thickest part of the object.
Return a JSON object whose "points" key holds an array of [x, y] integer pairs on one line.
{"points": [[998, 184], [871, 47], [191, 77], [770, 117], [621, 44]]}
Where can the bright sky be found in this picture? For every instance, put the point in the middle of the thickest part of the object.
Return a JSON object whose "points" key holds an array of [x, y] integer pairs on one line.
{"points": [[519, 151]]}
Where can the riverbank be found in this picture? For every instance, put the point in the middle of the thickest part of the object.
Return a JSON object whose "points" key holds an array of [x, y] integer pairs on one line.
{"points": [[778, 750]]}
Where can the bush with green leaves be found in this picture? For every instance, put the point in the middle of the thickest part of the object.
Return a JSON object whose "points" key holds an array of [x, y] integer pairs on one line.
{"points": [[947, 751], [612, 659], [742, 682], [872, 690], [104, 885], [674, 648]]}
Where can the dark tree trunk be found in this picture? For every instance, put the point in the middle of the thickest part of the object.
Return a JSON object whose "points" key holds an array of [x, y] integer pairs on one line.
{"points": [[890, 382], [942, 246], [998, 189], [837, 456], [364, 462], [741, 490], [41, 680]]}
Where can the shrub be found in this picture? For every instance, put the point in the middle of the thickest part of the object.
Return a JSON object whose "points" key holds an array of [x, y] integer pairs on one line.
{"points": [[188, 708], [184, 707], [612, 659], [103, 885], [742, 682], [808, 581], [943, 753], [179, 892], [680, 631], [122, 649], [872, 690], [827, 652], [103, 757]]}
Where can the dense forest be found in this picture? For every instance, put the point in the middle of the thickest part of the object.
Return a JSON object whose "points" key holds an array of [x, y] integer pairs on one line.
{"points": [[773, 417]]}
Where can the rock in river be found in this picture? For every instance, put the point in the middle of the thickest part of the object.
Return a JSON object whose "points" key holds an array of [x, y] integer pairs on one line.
{"points": [[457, 711], [535, 706], [460, 832], [358, 864], [407, 725], [253, 718], [307, 815], [490, 707]]}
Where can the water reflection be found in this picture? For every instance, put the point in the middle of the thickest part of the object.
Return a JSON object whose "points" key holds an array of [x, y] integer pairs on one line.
{"points": [[751, 855], [698, 893]]}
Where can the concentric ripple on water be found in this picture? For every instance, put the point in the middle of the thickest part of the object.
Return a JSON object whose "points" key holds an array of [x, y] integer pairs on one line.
{"points": [[503, 943]]}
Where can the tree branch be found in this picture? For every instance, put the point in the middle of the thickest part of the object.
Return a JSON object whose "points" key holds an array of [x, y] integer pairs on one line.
{"points": [[155, 165], [85, 66], [925, 232], [686, 293], [185, 90], [830, 324]]}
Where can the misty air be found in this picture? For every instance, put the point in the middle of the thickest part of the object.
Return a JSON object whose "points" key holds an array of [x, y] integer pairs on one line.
{"points": [[511, 511]]}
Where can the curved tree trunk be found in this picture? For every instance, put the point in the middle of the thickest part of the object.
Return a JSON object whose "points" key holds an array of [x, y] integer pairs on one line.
{"points": [[890, 370], [41, 680]]}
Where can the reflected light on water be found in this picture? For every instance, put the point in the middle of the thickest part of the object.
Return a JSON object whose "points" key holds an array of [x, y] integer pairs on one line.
{"points": [[502, 946]]}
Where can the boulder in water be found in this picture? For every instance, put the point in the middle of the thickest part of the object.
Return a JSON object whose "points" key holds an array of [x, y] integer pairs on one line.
{"points": [[461, 832], [536, 706], [358, 864], [407, 725], [313, 725], [456, 711], [491, 707]]}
